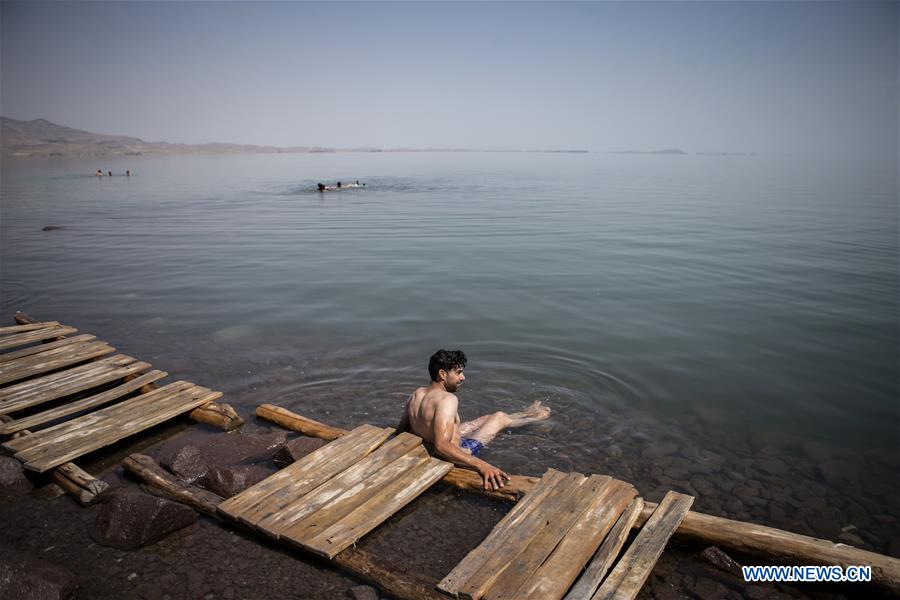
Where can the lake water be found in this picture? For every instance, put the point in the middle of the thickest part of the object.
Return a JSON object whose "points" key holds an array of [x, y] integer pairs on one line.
{"points": [[738, 306]]}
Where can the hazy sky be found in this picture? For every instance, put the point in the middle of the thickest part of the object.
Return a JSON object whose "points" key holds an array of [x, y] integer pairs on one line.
{"points": [[709, 76]]}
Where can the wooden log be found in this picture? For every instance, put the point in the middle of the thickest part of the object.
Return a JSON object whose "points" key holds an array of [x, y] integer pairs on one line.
{"points": [[295, 422], [738, 536], [77, 483], [628, 576], [353, 560], [217, 414], [590, 579], [145, 469], [464, 479]]}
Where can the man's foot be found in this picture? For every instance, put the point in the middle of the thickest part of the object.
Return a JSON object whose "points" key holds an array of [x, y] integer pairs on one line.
{"points": [[537, 411]]}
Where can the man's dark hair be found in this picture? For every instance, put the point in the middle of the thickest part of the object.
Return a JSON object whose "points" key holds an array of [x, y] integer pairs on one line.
{"points": [[446, 360]]}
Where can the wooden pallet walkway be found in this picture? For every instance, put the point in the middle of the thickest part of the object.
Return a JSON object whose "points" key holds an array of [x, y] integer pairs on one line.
{"points": [[330, 498], [81, 396], [542, 545]]}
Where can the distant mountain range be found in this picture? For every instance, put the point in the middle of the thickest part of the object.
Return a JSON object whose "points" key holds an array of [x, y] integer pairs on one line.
{"points": [[40, 137]]}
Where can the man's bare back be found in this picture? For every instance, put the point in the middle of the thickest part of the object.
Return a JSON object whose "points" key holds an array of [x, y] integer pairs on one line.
{"points": [[432, 413]]}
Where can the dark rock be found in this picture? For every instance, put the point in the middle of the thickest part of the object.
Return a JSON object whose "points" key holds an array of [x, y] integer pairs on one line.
{"points": [[838, 472], [131, 519], [191, 462], [26, 578], [816, 452], [296, 449], [659, 450], [52, 227], [187, 463], [719, 559], [772, 466], [709, 589], [230, 481], [362, 592], [11, 473]]}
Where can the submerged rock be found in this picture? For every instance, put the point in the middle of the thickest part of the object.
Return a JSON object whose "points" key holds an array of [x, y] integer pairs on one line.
{"points": [[296, 449], [838, 472], [12, 474], [231, 481], [187, 463], [362, 592], [131, 519], [27, 578]]}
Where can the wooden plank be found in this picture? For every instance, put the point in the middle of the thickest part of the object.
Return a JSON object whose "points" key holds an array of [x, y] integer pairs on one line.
{"points": [[58, 385], [88, 421], [30, 337], [554, 576], [632, 570], [311, 524], [8, 356], [556, 526], [373, 513], [81, 405], [519, 537], [52, 360], [123, 429], [309, 479], [336, 487], [474, 560], [590, 580], [250, 497], [27, 327]]}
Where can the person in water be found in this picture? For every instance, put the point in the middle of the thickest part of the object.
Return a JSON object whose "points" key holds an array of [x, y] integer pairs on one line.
{"points": [[432, 413], [321, 187]]}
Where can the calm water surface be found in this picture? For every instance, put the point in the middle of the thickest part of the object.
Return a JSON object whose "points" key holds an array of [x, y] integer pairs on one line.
{"points": [[716, 300]]}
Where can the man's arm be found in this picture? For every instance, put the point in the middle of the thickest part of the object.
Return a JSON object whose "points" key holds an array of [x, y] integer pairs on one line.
{"points": [[444, 423], [404, 420]]}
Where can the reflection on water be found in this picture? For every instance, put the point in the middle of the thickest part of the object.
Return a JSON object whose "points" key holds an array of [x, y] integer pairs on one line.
{"points": [[740, 308]]}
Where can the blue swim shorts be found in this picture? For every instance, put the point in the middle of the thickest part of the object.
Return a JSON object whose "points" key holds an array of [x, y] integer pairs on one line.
{"points": [[472, 445]]}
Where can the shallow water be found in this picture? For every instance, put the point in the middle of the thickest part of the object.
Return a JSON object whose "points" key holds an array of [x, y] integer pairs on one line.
{"points": [[738, 313]]}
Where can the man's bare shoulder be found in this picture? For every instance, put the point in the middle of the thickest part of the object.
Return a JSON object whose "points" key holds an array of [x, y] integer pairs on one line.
{"points": [[434, 396]]}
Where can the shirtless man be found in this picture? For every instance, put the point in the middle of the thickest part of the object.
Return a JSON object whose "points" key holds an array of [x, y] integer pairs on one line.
{"points": [[431, 413]]}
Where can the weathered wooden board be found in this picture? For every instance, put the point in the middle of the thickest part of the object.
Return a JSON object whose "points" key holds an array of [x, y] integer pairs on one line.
{"points": [[590, 579], [632, 570], [123, 427], [556, 525], [81, 405], [65, 383], [339, 486], [311, 478], [386, 502], [30, 337], [37, 349], [519, 537], [475, 559], [310, 525], [27, 327], [52, 360], [234, 507], [90, 421], [554, 576]]}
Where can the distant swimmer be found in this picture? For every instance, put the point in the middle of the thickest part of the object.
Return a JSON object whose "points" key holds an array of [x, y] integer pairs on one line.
{"points": [[321, 187], [99, 173], [110, 173], [128, 173], [339, 186]]}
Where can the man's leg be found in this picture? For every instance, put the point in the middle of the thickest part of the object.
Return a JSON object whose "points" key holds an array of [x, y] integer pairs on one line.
{"points": [[484, 429]]}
